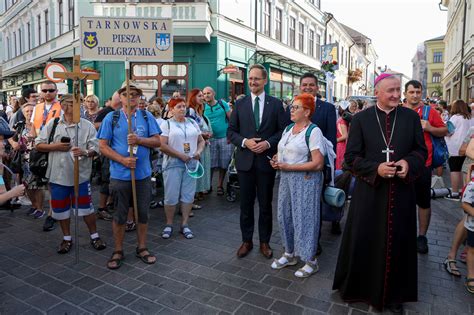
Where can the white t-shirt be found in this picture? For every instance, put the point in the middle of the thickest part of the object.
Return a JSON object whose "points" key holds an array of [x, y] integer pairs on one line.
{"points": [[181, 135], [468, 197], [455, 140], [292, 149]]}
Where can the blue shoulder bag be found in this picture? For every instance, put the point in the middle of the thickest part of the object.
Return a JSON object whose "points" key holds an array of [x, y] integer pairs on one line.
{"points": [[440, 149]]}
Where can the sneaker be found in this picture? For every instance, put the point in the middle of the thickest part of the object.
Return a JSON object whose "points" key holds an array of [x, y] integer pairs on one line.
{"points": [[153, 204], [49, 224], [24, 201], [38, 214], [422, 244], [31, 211], [103, 214], [453, 198]]}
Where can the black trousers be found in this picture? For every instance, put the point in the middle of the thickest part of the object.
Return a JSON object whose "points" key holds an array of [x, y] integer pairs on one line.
{"points": [[256, 183]]}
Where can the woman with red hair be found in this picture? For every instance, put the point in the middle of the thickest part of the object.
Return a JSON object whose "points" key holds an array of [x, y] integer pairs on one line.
{"points": [[181, 143], [300, 160], [196, 112]]}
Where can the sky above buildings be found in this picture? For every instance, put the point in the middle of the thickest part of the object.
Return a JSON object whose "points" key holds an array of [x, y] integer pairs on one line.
{"points": [[396, 27]]}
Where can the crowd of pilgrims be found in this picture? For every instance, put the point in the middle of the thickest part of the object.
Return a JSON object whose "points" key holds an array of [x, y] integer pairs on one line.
{"points": [[198, 133]]}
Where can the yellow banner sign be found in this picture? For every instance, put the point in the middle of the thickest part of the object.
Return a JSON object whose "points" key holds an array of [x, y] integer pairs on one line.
{"points": [[134, 39]]}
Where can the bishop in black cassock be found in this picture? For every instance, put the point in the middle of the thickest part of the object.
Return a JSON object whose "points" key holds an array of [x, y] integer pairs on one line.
{"points": [[377, 261]]}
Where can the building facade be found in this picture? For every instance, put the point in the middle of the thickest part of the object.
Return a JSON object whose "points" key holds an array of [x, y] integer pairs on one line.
{"points": [[419, 66], [364, 59], [33, 32], [434, 67], [215, 42], [458, 78]]}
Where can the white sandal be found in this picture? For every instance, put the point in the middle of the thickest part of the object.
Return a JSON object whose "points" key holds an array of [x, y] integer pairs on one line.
{"points": [[284, 261], [307, 270]]}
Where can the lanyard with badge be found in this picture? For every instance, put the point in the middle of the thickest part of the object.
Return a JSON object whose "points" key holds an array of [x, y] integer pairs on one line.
{"points": [[186, 144], [45, 114], [135, 147]]}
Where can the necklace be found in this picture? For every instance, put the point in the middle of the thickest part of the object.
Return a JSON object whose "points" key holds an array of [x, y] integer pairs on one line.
{"points": [[387, 151]]}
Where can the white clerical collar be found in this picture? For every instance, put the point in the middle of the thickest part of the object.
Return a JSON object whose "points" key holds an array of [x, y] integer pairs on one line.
{"points": [[385, 111]]}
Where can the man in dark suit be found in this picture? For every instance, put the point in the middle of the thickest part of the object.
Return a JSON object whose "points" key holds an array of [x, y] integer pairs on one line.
{"points": [[255, 127], [325, 113]]}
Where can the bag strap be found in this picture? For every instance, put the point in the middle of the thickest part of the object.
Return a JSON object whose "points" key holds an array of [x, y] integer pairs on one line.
{"points": [[426, 112], [115, 118], [223, 109], [53, 130], [289, 127]]}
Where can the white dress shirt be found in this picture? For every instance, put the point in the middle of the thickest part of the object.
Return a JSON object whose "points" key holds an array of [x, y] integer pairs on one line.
{"points": [[261, 102]]}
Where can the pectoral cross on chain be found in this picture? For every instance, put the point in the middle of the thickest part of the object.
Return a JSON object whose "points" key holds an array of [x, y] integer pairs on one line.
{"points": [[387, 152]]}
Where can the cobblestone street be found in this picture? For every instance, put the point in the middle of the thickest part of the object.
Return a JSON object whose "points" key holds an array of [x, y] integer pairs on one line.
{"points": [[198, 276]]}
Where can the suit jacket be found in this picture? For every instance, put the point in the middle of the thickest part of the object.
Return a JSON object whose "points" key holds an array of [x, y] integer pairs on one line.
{"points": [[325, 118], [242, 125]]}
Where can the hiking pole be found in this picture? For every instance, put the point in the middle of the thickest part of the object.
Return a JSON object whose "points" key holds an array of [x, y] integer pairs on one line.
{"points": [[76, 196], [129, 116], [76, 119]]}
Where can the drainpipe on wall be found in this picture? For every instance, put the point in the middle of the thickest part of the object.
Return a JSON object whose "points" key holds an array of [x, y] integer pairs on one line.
{"points": [[328, 19], [349, 68], [462, 50]]}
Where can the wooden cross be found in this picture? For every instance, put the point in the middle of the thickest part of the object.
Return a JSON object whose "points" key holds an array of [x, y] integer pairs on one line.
{"points": [[76, 76]]}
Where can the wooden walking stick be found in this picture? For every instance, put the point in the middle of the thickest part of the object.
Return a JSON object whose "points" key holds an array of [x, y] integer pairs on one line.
{"points": [[76, 76], [130, 131]]}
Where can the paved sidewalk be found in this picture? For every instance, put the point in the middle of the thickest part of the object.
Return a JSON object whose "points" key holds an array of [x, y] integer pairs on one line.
{"points": [[199, 276]]}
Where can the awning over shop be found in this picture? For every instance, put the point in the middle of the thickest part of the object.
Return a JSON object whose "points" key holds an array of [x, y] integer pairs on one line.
{"points": [[285, 63]]}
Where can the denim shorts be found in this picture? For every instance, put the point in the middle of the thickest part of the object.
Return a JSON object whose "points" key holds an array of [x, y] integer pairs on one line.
{"points": [[179, 186]]}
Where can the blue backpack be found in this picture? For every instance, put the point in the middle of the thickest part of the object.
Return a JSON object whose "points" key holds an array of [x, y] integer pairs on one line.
{"points": [[440, 149]]}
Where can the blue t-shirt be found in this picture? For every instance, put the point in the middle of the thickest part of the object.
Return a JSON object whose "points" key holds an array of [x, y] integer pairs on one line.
{"points": [[118, 142], [217, 118]]}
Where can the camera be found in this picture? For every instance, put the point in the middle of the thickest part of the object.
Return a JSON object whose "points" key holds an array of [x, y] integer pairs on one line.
{"points": [[65, 140]]}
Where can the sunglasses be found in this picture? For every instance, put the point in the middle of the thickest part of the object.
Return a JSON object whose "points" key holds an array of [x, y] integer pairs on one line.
{"points": [[48, 90]]}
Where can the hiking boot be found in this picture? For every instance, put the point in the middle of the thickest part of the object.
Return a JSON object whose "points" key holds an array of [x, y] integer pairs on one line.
{"points": [[49, 224], [422, 244]]}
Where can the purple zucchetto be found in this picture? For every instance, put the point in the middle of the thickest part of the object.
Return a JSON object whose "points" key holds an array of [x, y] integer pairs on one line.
{"points": [[381, 77]]}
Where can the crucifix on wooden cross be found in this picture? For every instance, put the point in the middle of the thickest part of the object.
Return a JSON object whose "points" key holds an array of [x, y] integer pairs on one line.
{"points": [[77, 75]]}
